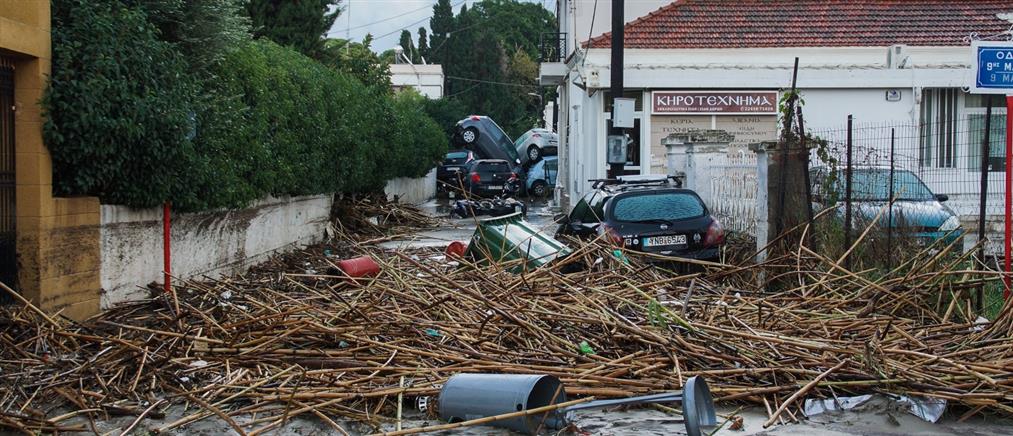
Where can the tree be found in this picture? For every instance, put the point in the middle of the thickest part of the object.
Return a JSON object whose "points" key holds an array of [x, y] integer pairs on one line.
{"points": [[203, 30], [298, 24], [515, 24], [406, 43], [492, 70], [359, 60], [441, 24], [423, 46]]}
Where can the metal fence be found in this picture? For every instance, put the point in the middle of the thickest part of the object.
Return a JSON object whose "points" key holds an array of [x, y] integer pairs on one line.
{"points": [[920, 165]]}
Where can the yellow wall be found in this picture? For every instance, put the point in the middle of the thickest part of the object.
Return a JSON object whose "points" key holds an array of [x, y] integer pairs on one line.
{"points": [[58, 238]]}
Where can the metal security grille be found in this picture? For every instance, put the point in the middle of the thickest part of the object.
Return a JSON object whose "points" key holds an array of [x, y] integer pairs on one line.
{"points": [[8, 235]]}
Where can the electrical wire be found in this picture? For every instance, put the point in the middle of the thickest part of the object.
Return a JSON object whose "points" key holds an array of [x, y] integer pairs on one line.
{"points": [[590, 31], [492, 82], [381, 21], [416, 22]]}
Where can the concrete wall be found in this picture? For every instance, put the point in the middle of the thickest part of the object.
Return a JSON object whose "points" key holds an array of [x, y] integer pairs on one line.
{"points": [[208, 243], [412, 191], [57, 238]]}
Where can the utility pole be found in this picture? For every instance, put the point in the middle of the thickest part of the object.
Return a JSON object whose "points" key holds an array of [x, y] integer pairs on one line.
{"points": [[618, 6]]}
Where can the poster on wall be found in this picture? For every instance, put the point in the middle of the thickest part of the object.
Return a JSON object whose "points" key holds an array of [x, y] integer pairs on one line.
{"points": [[714, 102], [746, 129]]}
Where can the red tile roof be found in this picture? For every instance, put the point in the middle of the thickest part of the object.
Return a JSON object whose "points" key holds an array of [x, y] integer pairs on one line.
{"points": [[813, 23]]}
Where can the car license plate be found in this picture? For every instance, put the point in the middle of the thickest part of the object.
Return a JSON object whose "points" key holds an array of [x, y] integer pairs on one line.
{"points": [[660, 241], [495, 187]]}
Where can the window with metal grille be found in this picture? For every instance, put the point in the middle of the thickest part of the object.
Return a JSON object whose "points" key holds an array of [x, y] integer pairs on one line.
{"points": [[939, 126]]}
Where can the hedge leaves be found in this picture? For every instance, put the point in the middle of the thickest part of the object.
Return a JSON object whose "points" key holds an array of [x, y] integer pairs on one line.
{"points": [[128, 123]]}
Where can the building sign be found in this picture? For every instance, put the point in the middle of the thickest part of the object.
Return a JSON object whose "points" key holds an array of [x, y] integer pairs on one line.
{"points": [[992, 67], [714, 102]]}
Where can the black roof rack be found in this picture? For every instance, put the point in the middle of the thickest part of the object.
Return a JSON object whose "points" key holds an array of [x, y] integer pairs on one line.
{"points": [[599, 183]]}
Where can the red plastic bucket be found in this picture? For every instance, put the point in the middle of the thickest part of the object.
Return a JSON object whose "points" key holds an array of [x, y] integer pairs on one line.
{"points": [[363, 266], [456, 249]]}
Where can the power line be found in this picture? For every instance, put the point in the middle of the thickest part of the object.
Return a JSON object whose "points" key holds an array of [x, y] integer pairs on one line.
{"points": [[492, 82], [416, 22], [380, 21]]}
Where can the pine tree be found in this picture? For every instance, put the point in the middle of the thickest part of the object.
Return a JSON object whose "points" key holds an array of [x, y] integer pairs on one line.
{"points": [[441, 24], [423, 46], [298, 24], [406, 44], [460, 59]]}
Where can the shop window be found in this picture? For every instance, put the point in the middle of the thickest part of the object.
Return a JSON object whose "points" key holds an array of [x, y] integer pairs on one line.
{"points": [[939, 128]]}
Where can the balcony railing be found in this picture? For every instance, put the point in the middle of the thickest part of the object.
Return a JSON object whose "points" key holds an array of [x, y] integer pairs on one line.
{"points": [[552, 47]]}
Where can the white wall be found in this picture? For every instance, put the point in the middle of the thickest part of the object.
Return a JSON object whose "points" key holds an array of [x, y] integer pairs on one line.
{"points": [[208, 243], [412, 191], [426, 79], [829, 108]]}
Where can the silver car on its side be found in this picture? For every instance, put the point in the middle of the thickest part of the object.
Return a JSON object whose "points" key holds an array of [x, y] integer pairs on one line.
{"points": [[534, 144]]}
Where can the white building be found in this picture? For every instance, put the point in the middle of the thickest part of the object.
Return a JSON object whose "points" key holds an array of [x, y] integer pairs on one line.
{"points": [[723, 64], [426, 79]]}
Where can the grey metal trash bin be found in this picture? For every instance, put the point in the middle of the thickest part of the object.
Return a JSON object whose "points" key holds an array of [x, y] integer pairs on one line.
{"points": [[470, 396]]}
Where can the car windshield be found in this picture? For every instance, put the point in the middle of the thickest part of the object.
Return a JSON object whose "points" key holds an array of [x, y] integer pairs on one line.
{"points": [[661, 206], [872, 184]]}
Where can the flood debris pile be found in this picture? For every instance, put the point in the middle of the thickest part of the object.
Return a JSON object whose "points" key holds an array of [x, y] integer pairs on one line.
{"points": [[259, 349], [374, 218]]}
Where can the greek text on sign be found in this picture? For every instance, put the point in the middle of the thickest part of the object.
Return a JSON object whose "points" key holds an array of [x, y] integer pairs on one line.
{"points": [[992, 67], [714, 102]]}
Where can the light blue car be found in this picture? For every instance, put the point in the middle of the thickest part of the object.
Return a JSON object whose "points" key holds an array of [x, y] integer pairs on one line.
{"points": [[917, 210], [542, 176]]}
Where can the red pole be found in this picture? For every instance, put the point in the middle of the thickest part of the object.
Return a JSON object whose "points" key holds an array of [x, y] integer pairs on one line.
{"points": [[167, 258], [1009, 195]]}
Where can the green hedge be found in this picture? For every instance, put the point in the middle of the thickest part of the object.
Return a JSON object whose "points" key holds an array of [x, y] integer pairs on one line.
{"points": [[116, 93], [125, 122]]}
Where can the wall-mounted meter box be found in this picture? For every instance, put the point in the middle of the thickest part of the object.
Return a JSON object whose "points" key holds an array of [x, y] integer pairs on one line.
{"points": [[616, 145]]}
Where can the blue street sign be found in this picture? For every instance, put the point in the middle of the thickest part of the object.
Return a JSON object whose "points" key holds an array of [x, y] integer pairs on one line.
{"points": [[992, 67]]}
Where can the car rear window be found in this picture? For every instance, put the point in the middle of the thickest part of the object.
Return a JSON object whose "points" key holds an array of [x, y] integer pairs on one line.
{"points": [[495, 167], [457, 155], [669, 206]]}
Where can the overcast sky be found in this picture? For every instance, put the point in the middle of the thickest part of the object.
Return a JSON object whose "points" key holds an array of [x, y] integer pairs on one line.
{"points": [[385, 19]]}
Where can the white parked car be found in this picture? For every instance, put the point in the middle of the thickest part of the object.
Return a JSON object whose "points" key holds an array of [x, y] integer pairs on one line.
{"points": [[534, 144]]}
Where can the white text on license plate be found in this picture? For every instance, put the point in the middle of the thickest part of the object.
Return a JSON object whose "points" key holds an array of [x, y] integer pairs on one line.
{"points": [[493, 188], [659, 241]]}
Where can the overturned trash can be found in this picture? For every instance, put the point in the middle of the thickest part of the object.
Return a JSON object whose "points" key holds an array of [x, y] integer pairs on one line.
{"points": [[510, 238], [472, 396]]}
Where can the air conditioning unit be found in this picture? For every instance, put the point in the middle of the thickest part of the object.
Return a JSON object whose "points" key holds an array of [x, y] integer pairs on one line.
{"points": [[897, 57]]}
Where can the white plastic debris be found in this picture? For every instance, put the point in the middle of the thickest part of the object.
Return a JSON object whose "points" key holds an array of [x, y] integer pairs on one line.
{"points": [[980, 323], [227, 295], [928, 409], [815, 407], [199, 363], [374, 220]]}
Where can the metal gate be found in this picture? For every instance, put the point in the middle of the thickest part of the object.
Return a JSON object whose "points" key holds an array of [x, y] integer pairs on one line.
{"points": [[8, 235]]}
